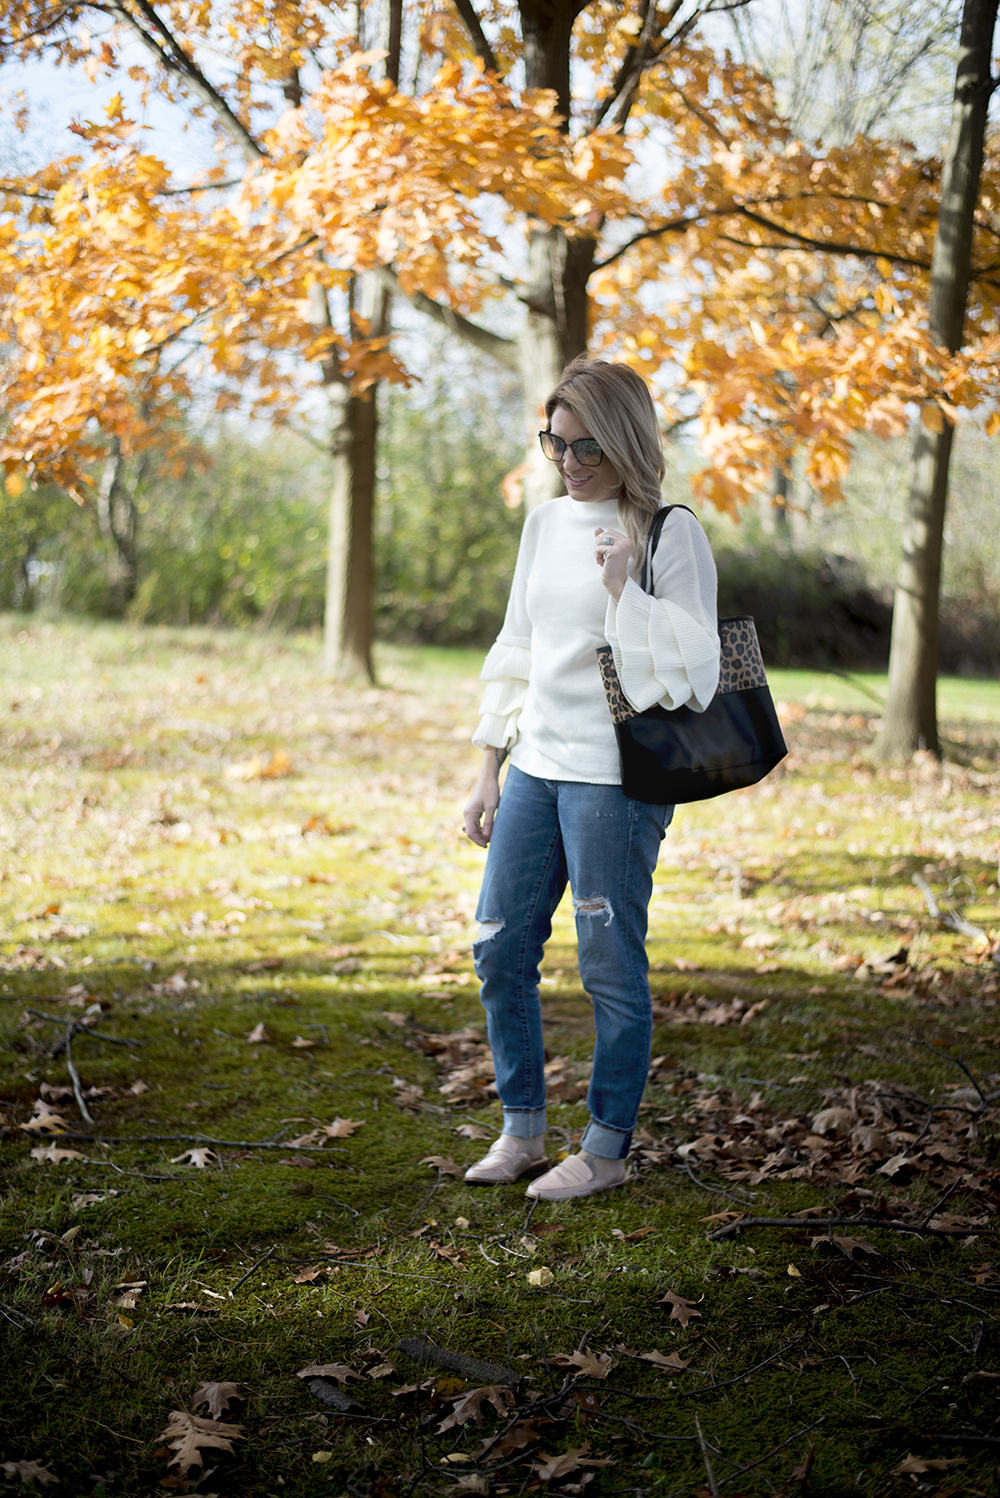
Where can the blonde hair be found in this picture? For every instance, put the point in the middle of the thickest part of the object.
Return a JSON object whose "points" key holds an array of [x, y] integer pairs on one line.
{"points": [[614, 404]]}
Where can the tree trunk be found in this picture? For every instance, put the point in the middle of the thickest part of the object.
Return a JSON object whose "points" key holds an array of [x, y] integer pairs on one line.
{"points": [[118, 521], [350, 574], [555, 332], [910, 719]]}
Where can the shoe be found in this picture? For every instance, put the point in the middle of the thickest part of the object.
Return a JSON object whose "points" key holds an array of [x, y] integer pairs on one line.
{"points": [[508, 1159], [579, 1175]]}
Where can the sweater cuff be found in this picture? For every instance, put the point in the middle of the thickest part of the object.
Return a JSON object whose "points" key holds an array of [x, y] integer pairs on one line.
{"points": [[496, 731]]}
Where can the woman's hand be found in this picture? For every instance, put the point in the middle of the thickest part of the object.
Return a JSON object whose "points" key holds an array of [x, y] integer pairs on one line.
{"points": [[485, 798], [612, 552]]}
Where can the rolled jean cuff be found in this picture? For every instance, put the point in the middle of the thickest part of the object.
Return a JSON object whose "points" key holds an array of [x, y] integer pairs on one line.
{"points": [[608, 1144], [524, 1123]]}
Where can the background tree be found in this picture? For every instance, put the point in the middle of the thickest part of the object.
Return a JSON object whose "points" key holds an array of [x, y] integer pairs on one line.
{"points": [[910, 720]]}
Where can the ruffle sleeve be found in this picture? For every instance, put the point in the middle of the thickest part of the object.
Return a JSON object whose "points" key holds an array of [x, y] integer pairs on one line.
{"points": [[666, 644], [505, 672]]}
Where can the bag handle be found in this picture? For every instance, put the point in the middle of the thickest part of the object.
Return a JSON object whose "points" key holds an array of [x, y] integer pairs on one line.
{"points": [[651, 540]]}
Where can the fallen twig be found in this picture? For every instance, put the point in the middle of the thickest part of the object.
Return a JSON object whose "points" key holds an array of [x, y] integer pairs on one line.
{"points": [[74, 1077], [457, 1362], [818, 1224], [235, 1144], [741, 1377], [713, 1486], [739, 1471], [76, 1028], [957, 1061], [253, 1270]]}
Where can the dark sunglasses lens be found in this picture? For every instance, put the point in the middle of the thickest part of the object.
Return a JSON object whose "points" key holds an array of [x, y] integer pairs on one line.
{"points": [[553, 447], [588, 452]]}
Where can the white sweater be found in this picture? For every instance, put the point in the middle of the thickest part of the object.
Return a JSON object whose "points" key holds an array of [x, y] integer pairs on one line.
{"points": [[544, 697]]}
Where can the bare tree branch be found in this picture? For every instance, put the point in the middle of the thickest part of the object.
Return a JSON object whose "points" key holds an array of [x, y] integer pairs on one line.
{"points": [[478, 36], [504, 350]]}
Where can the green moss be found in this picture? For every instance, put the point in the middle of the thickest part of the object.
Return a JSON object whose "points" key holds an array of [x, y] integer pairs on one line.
{"points": [[355, 892]]}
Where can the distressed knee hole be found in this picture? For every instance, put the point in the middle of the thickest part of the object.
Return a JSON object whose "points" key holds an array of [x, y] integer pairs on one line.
{"points": [[594, 905], [488, 930]]}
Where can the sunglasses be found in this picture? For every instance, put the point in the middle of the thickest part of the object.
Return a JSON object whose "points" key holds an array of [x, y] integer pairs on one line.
{"points": [[585, 449]]}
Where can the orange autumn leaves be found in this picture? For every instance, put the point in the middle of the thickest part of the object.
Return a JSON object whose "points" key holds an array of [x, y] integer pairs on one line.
{"points": [[780, 289]]}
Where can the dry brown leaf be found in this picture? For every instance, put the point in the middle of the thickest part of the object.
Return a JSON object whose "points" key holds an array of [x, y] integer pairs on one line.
{"points": [[472, 1131], [541, 1277], [309, 1275], [50, 1154], [917, 1464], [444, 1163], [594, 1366], [672, 1362], [633, 1237], [258, 1035], [550, 1468], [342, 1128], [28, 1472], [218, 1397], [192, 1435], [680, 1309], [338, 1371], [45, 1123], [300, 1044], [848, 1245], [833, 1121], [362, 1317], [199, 1158], [394, 1016], [470, 1406]]}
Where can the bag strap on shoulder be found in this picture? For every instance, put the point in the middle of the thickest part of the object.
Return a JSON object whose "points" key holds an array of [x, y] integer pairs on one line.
{"points": [[646, 576]]}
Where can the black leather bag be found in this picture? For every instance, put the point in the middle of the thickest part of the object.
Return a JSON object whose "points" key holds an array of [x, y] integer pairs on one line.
{"points": [[672, 757]]}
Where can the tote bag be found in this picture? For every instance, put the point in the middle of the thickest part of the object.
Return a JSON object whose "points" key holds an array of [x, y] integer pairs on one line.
{"points": [[670, 757]]}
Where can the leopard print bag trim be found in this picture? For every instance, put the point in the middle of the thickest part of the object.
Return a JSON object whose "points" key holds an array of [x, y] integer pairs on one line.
{"points": [[741, 666]]}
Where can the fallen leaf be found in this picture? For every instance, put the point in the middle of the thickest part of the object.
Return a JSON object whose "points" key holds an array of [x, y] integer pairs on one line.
{"points": [[309, 1275], [199, 1158], [680, 1309], [300, 1044], [304, 1162], [28, 1472], [50, 1154], [192, 1435], [258, 1035], [362, 1317], [895, 1166], [322, 1456], [218, 1397], [445, 1164], [470, 1406], [552, 1467], [540, 1277], [833, 1121], [394, 1016], [632, 1237], [594, 1366], [846, 1245], [917, 1464], [338, 1371], [472, 1131], [45, 1123], [138, 1088], [795, 1274], [342, 1128]]}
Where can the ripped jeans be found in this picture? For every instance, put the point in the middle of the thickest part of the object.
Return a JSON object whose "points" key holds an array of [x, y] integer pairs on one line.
{"points": [[548, 832]]}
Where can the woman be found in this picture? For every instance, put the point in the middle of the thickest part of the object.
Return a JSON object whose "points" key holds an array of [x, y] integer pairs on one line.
{"points": [[563, 816]]}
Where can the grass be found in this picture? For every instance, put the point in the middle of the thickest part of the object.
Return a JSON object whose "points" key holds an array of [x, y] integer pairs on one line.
{"points": [[148, 869]]}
